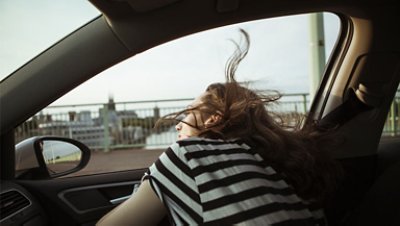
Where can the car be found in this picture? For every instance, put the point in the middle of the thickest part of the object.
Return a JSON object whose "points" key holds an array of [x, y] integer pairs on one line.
{"points": [[360, 82]]}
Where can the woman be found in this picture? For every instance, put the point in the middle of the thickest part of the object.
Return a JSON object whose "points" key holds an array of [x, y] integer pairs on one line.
{"points": [[233, 163]]}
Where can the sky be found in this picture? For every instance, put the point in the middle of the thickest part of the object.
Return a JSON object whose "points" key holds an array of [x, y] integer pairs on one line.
{"points": [[278, 57], [29, 27]]}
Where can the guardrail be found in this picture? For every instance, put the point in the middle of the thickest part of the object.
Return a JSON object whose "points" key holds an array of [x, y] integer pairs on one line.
{"points": [[130, 124]]}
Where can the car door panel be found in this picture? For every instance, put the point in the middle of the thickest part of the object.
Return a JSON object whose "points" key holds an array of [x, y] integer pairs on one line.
{"points": [[85, 199]]}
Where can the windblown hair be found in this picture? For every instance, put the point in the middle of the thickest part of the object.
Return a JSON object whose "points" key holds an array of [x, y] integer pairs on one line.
{"points": [[300, 154]]}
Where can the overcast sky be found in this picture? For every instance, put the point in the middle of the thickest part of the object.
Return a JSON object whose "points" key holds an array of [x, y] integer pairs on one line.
{"points": [[278, 57]]}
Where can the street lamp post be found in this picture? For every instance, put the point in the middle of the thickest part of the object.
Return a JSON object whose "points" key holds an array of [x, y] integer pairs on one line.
{"points": [[317, 52]]}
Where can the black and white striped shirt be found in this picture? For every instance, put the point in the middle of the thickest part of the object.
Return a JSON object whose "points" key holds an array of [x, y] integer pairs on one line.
{"points": [[205, 181]]}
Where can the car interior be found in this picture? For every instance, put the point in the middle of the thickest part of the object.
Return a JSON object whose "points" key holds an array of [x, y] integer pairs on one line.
{"points": [[358, 86]]}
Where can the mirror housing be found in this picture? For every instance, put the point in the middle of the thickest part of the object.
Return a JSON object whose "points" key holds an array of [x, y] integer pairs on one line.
{"points": [[40, 157]]}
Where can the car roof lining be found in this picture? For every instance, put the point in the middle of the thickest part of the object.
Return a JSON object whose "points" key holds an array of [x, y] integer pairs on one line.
{"points": [[141, 31], [141, 6], [147, 6]]}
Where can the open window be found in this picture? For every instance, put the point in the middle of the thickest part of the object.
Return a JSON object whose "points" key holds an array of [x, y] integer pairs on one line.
{"points": [[114, 113]]}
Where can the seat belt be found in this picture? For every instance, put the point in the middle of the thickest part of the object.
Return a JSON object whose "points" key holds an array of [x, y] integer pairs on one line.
{"points": [[350, 108]]}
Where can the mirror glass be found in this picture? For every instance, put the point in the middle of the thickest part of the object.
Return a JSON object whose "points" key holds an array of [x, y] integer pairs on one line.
{"points": [[60, 156]]}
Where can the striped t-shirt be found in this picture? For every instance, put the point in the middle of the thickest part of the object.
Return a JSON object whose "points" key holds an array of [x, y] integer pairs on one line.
{"points": [[205, 181]]}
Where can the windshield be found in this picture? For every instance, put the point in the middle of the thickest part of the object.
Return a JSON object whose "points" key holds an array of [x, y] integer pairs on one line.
{"points": [[29, 27]]}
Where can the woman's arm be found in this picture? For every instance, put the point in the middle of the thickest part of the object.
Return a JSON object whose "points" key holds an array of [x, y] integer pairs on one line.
{"points": [[143, 208]]}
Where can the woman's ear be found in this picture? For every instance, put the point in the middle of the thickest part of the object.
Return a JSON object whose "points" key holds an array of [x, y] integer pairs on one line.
{"points": [[212, 120]]}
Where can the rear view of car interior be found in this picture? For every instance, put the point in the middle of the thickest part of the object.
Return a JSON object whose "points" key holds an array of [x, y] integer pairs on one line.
{"points": [[359, 84]]}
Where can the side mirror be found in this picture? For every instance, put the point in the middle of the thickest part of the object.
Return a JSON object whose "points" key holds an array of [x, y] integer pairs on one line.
{"points": [[49, 157]]}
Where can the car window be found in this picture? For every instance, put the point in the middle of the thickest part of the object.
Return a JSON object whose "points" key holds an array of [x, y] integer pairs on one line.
{"points": [[392, 123], [115, 112]]}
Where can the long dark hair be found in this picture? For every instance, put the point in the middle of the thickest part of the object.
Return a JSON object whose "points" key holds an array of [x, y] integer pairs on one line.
{"points": [[299, 153]]}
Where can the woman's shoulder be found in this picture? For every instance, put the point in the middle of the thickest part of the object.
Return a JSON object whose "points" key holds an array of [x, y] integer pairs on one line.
{"points": [[206, 141], [201, 143]]}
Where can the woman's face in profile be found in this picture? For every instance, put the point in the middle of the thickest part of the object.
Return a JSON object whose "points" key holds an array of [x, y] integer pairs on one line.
{"points": [[192, 117]]}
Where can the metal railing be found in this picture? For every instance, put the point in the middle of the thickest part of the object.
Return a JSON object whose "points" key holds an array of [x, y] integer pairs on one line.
{"points": [[392, 124], [131, 124]]}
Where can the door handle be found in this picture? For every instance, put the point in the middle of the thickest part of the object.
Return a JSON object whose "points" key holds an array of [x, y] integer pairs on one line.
{"points": [[124, 198]]}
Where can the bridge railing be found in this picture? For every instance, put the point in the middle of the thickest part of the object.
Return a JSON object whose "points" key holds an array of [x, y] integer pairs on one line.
{"points": [[131, 124]]}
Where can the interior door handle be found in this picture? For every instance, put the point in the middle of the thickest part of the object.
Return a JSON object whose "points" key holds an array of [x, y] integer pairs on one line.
{"points": [[124, 198], [119, 200]]}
